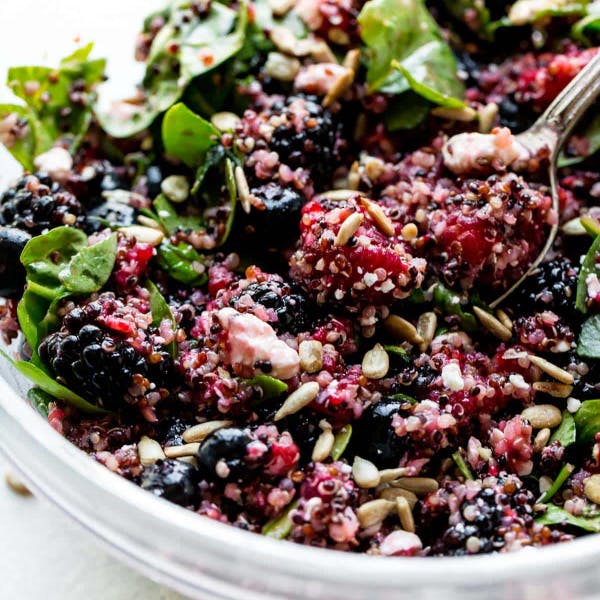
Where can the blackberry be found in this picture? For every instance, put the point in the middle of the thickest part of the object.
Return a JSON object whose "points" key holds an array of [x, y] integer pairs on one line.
{"points": [[553, 286], [12, 273], [172, 480], [112, 213], [223, 455], [36, 203]]}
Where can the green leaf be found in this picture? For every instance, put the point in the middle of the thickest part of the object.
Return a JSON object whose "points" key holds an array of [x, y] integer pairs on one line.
{"points": [[449, 303], [562, 476], [171, 220], [40, 400], [89, 269], [341, 441], [403, 398], [588, 344], [21, 145], [201, 43], [161, 310], [187, 136], [178, 262], [555, 515], [271, 387], [462, 465], [406, 111], [587, 421], [405, 31], [55, 389], [280, 528], [214, 158], [566, 432]]}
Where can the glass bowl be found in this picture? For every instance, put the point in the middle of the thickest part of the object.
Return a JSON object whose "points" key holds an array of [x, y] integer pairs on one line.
{"points": [[213, 561]]}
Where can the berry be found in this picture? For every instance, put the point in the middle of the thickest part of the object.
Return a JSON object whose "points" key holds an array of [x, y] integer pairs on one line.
{"points": [[111, 212], [223, 455], [172, 480], [12, 273], [36, 203]]}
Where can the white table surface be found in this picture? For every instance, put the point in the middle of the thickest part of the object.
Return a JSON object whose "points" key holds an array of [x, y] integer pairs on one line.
{"points": [[42, 553]]}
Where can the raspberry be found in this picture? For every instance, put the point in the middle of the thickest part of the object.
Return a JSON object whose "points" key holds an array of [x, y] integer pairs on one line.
{"points": [[369, 268], [36, 203]]}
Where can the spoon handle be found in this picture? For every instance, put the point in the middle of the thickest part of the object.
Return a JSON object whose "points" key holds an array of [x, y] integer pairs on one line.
{"points": [[568, 107]]}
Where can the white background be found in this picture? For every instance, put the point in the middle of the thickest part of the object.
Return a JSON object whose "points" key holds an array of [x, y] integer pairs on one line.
{"points": [[42, 554]]}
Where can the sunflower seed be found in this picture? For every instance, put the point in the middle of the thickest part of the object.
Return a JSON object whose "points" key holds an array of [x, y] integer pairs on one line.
{"points": [[551, 369], [338, 195], [376, 363], [225, 121], [426, 326], [487, 117], [298, 399], [352, 59], [388, 475], [492, 324], [418, 485], [574, 227], [365, 473], [541, 439], [591, 488], [391, 493], [405, 513], [465, 113], [542, 415], [149, 451], [320, 52], [552, 388], [176, 188], [374, 512], [285, 41], [339, 86], [148, 222], [199, 432], [382, 221], [323, 445], [16, 485], [402, 329], [144, 235], [348, 229], [311, 356], [243, 189], [180, 451], [504, 319], [281, 67]]}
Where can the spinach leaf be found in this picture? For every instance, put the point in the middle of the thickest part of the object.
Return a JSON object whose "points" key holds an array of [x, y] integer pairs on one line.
{"points": [[566, 432], [341, 441], [40, 400], [405, 31], [214, 157], [171, 220], [280, 527], [590, 23], [406, 111], [47, 92], [181, 263], [161, 310], [201, 43], [562, 476], [187, 136], [271, 387], [555, 515], [588, 344], [449, 302], [589, 267], [587, 421]]}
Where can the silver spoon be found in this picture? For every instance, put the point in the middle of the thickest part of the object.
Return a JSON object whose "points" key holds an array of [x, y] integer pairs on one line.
{"points": [[466, 152]]}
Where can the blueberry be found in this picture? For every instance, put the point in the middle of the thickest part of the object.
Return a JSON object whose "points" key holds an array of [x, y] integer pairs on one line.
{"points": [[115, 213], [12, 273], [227, 447], [173, 480]]}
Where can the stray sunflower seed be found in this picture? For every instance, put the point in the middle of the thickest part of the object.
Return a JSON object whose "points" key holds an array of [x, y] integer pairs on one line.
{"points": [[405, 513], [323, 446], [149, 451], [383, 222], [487, 117], [418, 485], [16, 485], [374, 512], [311, 356], [402, 329], [387, 475], [181, 451], [504, 318], [285, 41], [492, 324], [553, 388], [339, 86], [541, 439], [365, 473], [144, 235], [391, 493], [225, 121], [200, 432], [465, 113], [320, 52], [352, 59], [148, 222], [574, 227], [348, 229], [176, 188], [376, 363], [338, 195], [551, 369], [426, 326], [591, 488], [298, 399], [243, 189], [542, 415]]}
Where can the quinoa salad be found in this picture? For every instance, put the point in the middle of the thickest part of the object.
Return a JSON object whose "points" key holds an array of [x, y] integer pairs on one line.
{"points": [[260, 288]]}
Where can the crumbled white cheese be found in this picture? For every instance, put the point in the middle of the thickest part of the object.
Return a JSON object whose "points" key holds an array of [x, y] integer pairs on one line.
{"points": [[518, 381], [573, 405], [57, 163], [452, 377]]}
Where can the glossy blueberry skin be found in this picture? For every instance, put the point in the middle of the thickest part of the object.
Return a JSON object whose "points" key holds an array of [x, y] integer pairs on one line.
{"points": [[228, 446], [12, 272], [171, 479]]}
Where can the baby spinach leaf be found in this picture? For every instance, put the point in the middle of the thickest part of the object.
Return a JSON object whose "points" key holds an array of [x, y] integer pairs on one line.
{"points": [[341, 441], [178, 261], [588, 344], [566, 432], [587, 421], [161, 310], [589, 267], [271, 387], [40, 400], [562, 476], [406, 111], [449, 302], [171, 220], [49, 385], [280, 527], [405, 31], [555, 515], [187, 136]]}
